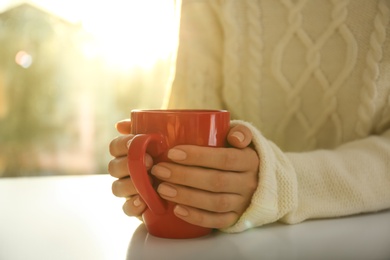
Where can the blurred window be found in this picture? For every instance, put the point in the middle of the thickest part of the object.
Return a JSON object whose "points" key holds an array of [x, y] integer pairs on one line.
{"points": [[69, 71]]}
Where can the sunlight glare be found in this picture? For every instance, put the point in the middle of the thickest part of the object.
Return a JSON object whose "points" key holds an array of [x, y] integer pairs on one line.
{"points": [[128, 33], [132, 33]]}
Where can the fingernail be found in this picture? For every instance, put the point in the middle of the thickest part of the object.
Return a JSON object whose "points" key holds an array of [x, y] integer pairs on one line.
{"points": [[240, 136], [160, 171], [166, 190], [181, 211], [137, 202], [176, 154]]}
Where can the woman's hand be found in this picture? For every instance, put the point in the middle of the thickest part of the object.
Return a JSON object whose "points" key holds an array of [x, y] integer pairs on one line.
{"points": [[123, 187], [211, 186]]}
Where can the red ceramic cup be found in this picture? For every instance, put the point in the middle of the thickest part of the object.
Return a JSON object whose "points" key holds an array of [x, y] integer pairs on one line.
{"points": [[156, 131]]}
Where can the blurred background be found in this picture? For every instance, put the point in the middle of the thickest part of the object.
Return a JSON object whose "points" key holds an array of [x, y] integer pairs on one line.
{"points": [[69, 70]]}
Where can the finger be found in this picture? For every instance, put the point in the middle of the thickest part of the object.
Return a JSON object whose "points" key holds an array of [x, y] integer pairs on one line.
{"points": [[123, 188], [123, 126], [239, 136], [228, 159], [118, 146], [134, 206], [209, 201], [204, 218], [204, 178], [118, 168]]}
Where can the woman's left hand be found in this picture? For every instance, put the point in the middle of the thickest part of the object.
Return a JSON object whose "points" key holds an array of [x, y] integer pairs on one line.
{"points": [[211, 186]]}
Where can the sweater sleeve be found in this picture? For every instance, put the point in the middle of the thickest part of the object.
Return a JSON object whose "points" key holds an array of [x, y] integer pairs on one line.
{"points": [[353, 178]]}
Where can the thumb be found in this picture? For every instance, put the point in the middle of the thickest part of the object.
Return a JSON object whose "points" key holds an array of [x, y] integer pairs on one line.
{"points": [[239, 136]]}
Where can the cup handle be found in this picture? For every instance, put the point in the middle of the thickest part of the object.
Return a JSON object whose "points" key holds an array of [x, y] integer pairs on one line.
{"points": [[139, 174]]}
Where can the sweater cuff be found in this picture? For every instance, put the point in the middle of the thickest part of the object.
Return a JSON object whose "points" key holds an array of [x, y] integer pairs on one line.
{"points": [[276, 193]]}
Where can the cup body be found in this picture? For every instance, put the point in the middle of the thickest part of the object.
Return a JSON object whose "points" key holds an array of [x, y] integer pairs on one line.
{"points": [[157, 131]]}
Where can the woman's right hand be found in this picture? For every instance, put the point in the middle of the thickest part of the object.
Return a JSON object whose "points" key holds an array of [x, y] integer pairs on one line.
{"points": [[117, 167]]}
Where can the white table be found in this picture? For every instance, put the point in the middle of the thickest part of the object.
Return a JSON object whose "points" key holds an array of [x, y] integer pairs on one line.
{"points": [[77, 217]]}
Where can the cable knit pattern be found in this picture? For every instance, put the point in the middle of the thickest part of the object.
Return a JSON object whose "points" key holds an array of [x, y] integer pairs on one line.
{"points": [[232, 51], [293, 100], [371, 73], [339, 14], [253, 66], [313, 69], [311, 80]]}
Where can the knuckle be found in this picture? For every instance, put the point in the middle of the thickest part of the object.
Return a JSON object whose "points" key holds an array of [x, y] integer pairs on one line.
{"points": [[253, 183], [222, 203], [111, 167], [116, 168], [252, 186], [114, 188], [229, 159], [200, 219], [119, 189], [219, 182], [111, 147]]}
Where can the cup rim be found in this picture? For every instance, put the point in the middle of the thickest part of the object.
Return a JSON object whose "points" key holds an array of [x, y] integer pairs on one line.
{"points": [[171, 111]]}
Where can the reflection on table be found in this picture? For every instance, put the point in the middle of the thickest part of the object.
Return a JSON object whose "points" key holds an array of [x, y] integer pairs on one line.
{"points": [[79, 218]]}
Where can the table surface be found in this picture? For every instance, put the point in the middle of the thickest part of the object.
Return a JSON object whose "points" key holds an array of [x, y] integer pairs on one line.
{"points": [[77, 217]]}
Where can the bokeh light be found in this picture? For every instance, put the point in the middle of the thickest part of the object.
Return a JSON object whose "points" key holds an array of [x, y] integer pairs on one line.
{"points": [[23, 59]]}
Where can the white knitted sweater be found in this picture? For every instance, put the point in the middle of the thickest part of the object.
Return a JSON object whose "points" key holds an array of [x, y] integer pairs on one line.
{"points": [[312, 81]]}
